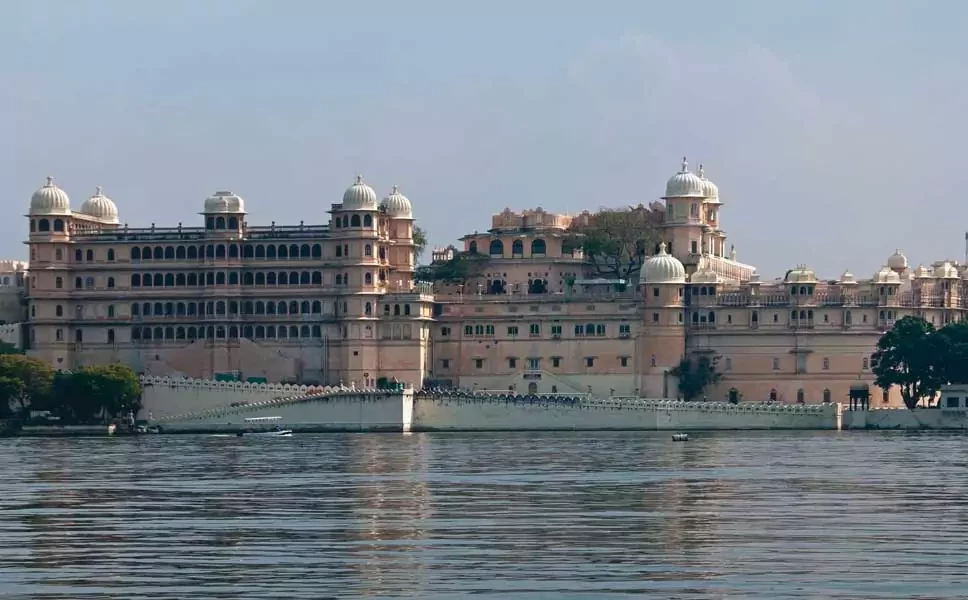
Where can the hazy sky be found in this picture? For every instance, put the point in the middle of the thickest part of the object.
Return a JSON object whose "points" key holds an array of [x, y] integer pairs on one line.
{"points": [[835, 130]]}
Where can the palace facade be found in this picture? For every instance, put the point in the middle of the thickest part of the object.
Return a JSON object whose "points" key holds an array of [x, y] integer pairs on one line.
{"points": [[336, 302]]}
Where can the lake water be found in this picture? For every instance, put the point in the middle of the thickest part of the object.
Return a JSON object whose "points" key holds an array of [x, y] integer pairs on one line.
{"points": [[536, 515]]}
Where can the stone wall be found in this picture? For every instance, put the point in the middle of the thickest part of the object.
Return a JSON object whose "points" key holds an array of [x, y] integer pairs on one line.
{"points": [[449, 411], [166, 397], [902, 418]]}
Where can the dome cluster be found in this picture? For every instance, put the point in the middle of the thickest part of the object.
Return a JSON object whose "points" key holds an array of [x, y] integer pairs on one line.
{"points": [[361, 196], [51, 200], [685, 184]]}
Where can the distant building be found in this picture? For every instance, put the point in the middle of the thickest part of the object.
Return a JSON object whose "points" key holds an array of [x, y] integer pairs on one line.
{"points": [[336, 302]]}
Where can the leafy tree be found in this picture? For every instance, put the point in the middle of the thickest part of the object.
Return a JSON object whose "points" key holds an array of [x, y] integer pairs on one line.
{"points": [[419, 240], [7, 348], [909, 356], [951, 352], [695, 374], [29, 381], [463, 267], [96, 391], [616, 241]]}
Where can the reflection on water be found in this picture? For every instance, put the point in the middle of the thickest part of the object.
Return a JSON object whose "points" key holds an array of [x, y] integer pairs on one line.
{"points": [[752, 515]]}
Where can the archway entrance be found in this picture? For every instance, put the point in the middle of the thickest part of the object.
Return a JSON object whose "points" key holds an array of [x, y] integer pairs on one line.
{"points": [[860, 396], [734, 396], [532, 388]]}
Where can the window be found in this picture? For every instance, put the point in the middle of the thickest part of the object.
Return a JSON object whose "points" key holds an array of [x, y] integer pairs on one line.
{"points": [[826, 396], [776, 364], [59, 335], [59, 283], [728, 364], [468, 329], [534, 330], [78, 255], [479, 363], [59, 310], [512, 330], [866, 364], [600, 330], [534, 364], [89, 255], [556, 361], [59, 254], [590, 361], [111, 256], [110, 336], [655, 317], [110, 282], [79, 336], [556, 330], [78, 283], [826, 364], [655, 292], [512, 363], [111, 311], [623, 360], [445, 331], [445, 363]]}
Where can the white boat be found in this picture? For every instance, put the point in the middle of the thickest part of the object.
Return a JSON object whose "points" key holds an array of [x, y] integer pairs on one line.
{"points": [[261, 421]]}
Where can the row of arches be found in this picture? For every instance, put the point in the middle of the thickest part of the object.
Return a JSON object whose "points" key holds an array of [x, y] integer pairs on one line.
{"points": [[46, 225], [271, 278], [353, 221], [222, 332], [280, 251], [496, 248], [734, 395], [231, 307]]}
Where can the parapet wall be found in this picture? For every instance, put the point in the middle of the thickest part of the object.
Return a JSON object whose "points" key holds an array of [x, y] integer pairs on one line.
{"points": [[902, 418], [480, 412], [165, 397]]}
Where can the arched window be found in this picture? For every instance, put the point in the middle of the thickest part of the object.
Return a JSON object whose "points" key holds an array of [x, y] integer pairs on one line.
{"points": [[58, 254], [538, 248], [43, 225], [219, 222], [270, 278], [233, 251], [406, 309], [368, 309], [317, 278], [233, 223], [386, 310], [169, 280], [305, 251], [110, 254], [396, 309], [293, 251], [260, 278], [59, 310], [472, 248], [220, 278], [368, 278], [180, 253], [317, 251], [517, 248], [158, 280], [317, 307], [78, 255], [270, 308], [233, 278], [158, 253], [220, 308], [367, 250], [248, 251], [367, 221], [339, 279], [59, 282], [800, 396], [89, 283], [89, 255], [355, 221], [220, 251], [59, 335], [192, 253], [260, 251], [110, 282], [497, 248], [284, 278], [773, 395], [247, 278], [135, 309], [270, 251], [826, 396], [136, 253], [169, 252], [346, 221], [58, 225], [282, 308]]}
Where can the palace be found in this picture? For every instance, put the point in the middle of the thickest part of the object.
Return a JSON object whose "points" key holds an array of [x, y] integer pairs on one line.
{"points": [[337, 302]]}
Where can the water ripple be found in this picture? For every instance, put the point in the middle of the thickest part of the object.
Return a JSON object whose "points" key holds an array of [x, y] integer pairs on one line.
{"points": [[576, 515]]}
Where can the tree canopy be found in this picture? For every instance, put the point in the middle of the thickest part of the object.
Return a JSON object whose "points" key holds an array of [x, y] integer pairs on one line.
{"points": [[695, 374], [462, 268], [8, 348], [616, 242], [920, 359], [25, 382], [419, 240]]}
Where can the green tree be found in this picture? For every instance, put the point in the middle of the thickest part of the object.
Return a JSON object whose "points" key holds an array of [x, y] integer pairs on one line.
{"points": [[951, 352], [419, 240], [97, 391], [910, 357], [695, 374], [460, 269], [34, 377], [616, 242], [7, 348]]}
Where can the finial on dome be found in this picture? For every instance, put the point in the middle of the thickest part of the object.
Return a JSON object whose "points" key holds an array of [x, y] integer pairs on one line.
{"points": [[359, 178], [662, 248], [685, 165], [50, 181], [701, 171], [396, 189], [97, 192]]}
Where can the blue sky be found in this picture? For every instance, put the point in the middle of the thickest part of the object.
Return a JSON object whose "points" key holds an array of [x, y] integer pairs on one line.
{"points": [[833, 129]]}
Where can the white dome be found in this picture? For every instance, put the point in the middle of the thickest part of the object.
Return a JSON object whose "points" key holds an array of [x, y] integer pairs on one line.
{"points": [[50, 200], [801, 274], [897, 261], [886, 275], [359, 196], [704, 275], [847, 278], [100, 207], [223, 202], [922, 272], [709, 189], [684, 184], [664, 268], [946, 271], [397, 205]]}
